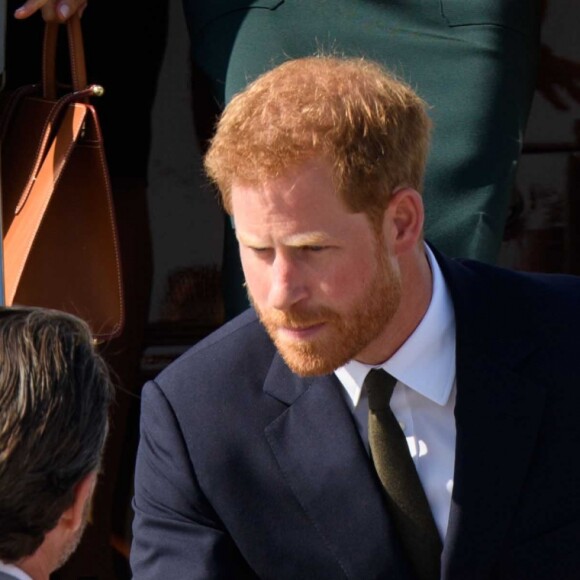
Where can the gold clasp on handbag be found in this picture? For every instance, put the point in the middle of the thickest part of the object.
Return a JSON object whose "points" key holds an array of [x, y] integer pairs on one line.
{"points": [[98, 90]]}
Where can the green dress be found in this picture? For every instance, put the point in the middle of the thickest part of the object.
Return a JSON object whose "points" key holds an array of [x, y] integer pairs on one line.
{"points": [[473, 61]]}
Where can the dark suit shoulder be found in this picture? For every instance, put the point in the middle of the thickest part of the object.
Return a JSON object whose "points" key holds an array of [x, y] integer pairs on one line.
{"points": [[235, 357], [508, 315], [214, 394], [512, 298], [540, 281]]}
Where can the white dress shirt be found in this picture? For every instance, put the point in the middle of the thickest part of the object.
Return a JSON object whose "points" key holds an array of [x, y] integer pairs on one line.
{"points": [[424, 397], [14, 571]]}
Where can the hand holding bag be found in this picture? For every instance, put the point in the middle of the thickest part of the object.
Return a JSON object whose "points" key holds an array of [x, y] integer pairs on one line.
{"points": [[60, 241]]}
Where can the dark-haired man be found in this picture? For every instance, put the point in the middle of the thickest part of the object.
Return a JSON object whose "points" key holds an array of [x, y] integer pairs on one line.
{"points": [[55, 393], [382, 411]]}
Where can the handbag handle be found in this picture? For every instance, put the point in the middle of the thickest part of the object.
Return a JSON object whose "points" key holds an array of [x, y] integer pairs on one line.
{"points": [[76, 53], [81, 92]]}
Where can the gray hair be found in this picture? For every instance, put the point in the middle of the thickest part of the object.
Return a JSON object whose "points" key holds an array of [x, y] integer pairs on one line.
{"points": [[55, 392]]}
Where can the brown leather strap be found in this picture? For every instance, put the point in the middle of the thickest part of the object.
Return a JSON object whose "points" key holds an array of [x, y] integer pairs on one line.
{"points": [[45, 139], [20, 236], [77, 57]]}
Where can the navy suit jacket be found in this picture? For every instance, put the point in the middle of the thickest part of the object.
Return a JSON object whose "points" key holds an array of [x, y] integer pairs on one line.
{"points": [[246, 470]]}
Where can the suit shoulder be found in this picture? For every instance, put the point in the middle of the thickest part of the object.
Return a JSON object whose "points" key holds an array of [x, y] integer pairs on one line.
{"points": [[537, 285], [239, 347], [495, 299]]}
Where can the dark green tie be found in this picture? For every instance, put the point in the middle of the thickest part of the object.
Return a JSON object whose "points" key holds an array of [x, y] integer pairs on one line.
{"points": [[406, 499]]}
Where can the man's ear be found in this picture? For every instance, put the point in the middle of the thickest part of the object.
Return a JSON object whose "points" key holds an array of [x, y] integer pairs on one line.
{"points": [[403, 221], [73, 518]]}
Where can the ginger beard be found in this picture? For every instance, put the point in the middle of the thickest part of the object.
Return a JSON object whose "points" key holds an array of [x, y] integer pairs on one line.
{"points": [[346, 333]]}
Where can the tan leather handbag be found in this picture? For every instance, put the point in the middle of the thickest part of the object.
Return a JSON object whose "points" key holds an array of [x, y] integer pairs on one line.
{"points": [[60, 240]]}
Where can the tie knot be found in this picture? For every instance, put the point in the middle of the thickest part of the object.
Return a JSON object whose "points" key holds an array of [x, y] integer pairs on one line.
{"points": [[379, 385]]}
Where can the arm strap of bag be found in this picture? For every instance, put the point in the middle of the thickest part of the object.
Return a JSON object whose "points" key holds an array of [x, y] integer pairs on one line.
{"points": [[20, 236]]}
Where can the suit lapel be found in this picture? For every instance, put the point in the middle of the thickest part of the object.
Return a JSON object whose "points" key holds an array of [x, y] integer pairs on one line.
{"points": [[323, 459], [498, 414]]}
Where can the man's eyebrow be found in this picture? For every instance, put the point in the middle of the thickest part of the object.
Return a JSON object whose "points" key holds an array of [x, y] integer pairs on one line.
{"points": [[249, 240], [306, 239], [294, 240]]}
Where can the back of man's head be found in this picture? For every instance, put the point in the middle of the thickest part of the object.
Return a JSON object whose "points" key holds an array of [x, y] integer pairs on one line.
{"points": [[371, 126], [55, 393]]}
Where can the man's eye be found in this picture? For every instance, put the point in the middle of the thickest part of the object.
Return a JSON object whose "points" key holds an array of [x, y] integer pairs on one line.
{"points": [[314, 248]]}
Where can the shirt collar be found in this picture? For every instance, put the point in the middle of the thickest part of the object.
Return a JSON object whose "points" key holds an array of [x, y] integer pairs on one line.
{"points": [[14, 571], [426, 360]]}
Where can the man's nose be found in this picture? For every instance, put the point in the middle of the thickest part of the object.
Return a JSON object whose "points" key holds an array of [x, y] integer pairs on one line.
{"points": [[288, 285]]}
